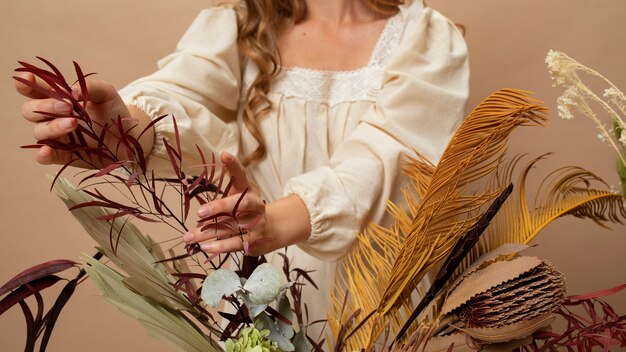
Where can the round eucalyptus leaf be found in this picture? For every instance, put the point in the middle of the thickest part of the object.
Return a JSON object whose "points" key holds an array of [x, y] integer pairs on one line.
{"points": [[219, 283], [263, 285]]}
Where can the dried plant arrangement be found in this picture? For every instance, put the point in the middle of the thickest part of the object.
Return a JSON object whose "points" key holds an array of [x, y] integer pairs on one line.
{"points": [[607, 111], [179, 297], [485, 295], [466, 220]]}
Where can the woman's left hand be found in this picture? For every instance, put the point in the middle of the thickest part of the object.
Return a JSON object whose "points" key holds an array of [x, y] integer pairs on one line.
{"points": [[248, 233]]}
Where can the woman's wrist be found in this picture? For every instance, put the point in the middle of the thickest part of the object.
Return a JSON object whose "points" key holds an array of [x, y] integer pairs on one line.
{"points": [[288, 221], [142, 120]]}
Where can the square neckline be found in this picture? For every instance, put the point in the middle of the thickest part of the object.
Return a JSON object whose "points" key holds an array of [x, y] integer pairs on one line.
{"points": [[374, 60]]}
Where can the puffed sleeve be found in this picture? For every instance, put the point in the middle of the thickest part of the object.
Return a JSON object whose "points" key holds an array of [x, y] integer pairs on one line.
{"points": [[199, 84], [424, 90]]}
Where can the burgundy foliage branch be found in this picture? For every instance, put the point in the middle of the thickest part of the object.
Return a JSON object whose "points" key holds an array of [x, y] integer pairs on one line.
{"points": [[592, 324], [115, 158], [30, 283]]}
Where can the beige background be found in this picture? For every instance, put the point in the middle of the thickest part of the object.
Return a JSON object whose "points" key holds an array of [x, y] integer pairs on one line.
{"points": [[121, 40]]}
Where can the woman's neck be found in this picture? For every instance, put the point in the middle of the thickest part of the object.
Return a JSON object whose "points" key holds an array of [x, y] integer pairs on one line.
{"points": [[338, 12]]}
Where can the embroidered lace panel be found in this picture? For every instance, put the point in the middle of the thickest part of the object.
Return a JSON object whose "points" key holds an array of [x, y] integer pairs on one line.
{"points": [[333, 87]]}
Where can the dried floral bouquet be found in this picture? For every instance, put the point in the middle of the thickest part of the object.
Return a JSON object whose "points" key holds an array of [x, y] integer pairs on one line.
{"points": [[174, 295], [463, 220]]}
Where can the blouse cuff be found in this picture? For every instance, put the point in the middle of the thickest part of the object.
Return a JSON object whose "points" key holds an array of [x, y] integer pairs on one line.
{"points": [[334, 225], [152, 111]]}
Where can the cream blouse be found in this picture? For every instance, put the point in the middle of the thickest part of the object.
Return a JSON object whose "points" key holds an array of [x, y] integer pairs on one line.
{"points": [[335, 139]]}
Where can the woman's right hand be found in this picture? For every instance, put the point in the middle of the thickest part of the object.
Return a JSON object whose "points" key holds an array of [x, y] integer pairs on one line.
{"points": [[104, 105]]}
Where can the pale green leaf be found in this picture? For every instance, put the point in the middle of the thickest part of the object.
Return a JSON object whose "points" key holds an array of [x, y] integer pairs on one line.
{"points": [[263, 284], [219, 283]]}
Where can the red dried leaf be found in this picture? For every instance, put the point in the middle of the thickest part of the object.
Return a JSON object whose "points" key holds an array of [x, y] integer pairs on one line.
{"points": [[219, 183], [49, 93], [151, 124], [131, 179], [116, 215], [58, 73], [571, 299], [36, 272], [31, 333], [145, 218], [51, 114], [23, 292], [139, 153], [32, 146], [155, 200], [191, 275], [236, 207], [177, 137], [55, 311], [108, 169], [83, 84], [172, 157]]}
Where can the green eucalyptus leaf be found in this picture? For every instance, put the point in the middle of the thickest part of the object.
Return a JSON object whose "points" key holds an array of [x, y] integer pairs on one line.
{"points": [[263, 322], [263, 284], [253, 309], [283, 306], [300, 342], [219, 283]]}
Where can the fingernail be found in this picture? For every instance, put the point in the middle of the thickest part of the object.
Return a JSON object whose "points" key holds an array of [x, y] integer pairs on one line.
{"points": [[204, 211], [206, 247], [66, 124], [62, 107], [188, 237]]}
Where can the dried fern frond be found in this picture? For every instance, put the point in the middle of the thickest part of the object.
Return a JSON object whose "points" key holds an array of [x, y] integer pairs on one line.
{"points": [[390, 262]]}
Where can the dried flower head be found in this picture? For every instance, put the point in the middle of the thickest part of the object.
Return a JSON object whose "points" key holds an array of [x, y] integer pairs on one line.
{"points": [[580, 97], [612, 93], [569, 99], [561, 67]]}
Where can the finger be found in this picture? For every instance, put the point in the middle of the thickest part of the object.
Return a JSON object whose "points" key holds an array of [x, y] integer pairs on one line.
{"points": [[47, 156], [28, 91], [232, 244], [98, 91], [214, 231], [35, 110], [236, 171], [248, 202], [54, 129]]}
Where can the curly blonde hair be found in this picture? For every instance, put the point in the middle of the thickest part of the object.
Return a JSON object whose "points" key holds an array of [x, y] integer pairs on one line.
{"points": [[260, 23]]}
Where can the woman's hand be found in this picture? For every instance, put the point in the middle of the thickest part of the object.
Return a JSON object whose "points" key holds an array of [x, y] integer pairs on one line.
{"points": [[271, 226], [104, 105]]}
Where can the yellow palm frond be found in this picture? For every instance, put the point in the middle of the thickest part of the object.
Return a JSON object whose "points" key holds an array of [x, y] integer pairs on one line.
{"points": [[386, 264], [450, 206], [565, 191]]}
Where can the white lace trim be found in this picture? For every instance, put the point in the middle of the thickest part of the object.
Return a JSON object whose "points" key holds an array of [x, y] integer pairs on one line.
{"points": [[333, 87]]}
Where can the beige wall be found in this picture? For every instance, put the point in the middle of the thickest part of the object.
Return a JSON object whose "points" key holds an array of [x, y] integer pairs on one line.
{"points": [[121, 40]]}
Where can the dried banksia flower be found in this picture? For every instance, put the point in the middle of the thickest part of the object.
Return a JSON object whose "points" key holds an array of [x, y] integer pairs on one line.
{"points": [[537, 292], [504, 299]]}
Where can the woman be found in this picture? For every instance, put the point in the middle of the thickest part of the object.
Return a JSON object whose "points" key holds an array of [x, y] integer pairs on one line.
{"points": [[321, 100]]}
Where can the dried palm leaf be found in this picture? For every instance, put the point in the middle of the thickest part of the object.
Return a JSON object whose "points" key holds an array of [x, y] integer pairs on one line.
{"points": [[390, 262], [565, 191], [448, 209], [163, 323], [136, 254]]}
